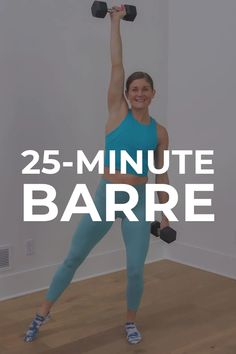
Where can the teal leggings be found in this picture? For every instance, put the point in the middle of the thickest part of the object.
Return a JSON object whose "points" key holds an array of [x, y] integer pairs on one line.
{"points": [[136, 236]]}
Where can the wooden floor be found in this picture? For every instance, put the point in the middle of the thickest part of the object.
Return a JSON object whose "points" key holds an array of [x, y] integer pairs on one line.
{"points": [[184, 310]]}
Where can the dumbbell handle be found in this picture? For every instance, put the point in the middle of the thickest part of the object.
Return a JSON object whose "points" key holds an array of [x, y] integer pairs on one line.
{"points": [[112, 9]]}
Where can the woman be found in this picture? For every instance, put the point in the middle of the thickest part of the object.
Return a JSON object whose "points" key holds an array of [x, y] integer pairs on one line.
{"points": [[131, 130]]}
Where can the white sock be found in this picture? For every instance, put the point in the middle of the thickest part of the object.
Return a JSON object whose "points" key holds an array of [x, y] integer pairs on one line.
{"points": [[33, 329], [132, 334]]}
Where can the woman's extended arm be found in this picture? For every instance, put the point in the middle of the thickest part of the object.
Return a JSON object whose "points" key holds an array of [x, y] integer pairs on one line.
{"points": [[163, 197], [116, 87]]}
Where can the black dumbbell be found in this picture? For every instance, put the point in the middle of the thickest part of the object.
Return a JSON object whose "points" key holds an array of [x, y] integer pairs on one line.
{"points": [[166, 234], [100, 9]]}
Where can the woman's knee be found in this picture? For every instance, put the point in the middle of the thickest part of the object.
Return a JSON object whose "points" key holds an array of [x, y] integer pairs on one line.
{"points": [[135, 273], [73, 260]]}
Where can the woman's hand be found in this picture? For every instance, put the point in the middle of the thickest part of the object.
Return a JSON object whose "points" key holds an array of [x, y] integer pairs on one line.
{"points": [[164, 222], [118, 12]]}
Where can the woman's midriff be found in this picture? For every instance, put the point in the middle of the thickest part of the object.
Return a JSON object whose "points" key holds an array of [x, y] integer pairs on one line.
{"points": [[127, 178]]}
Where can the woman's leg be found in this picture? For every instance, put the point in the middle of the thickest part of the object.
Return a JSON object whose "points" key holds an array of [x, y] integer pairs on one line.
{"points": [[136, 235], [86, 236]]}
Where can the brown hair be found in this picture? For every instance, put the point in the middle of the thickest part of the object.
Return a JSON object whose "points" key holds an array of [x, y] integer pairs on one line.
{"points": [[139, 75]]}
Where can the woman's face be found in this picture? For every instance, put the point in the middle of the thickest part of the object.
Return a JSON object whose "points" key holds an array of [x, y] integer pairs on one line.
{"points": [[140, 94]]}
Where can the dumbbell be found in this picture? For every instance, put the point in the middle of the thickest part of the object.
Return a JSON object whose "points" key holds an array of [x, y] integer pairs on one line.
{"points": [[166, 234], [99, 9]]}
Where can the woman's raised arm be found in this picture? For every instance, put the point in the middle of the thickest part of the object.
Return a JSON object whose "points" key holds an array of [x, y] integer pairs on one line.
{"points": [[116, 86]]}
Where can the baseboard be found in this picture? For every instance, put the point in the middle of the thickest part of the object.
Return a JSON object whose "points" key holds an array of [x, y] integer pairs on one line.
{"points": [[205, 259], [21, 283]]}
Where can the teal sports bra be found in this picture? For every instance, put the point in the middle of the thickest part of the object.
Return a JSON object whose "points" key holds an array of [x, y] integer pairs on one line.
{"points": [[131, 135]]}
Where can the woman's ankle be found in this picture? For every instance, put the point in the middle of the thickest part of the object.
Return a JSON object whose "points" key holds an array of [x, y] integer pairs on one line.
{"points": [[45, 308], [43, 312]]}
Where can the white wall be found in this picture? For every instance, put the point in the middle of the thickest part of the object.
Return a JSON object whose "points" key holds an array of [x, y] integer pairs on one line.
{"points": [[201, 115], [54, 69]]}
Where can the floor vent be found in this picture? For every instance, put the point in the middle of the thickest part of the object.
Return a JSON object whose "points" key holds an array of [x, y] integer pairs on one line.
{"points": [[4, 258]]}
